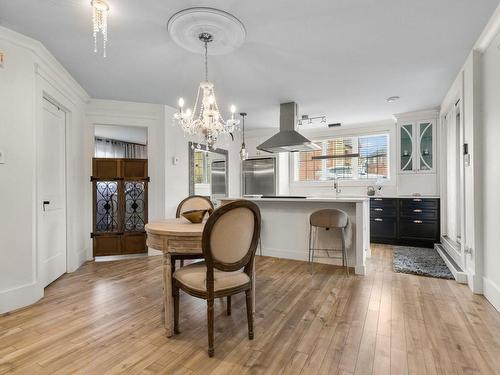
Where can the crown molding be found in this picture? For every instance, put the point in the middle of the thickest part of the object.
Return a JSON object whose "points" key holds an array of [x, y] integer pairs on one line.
{"points": [[489, 33], [46, 65], [429, 113]]}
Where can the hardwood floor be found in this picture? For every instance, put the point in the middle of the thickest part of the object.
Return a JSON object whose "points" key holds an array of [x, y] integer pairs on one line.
{"points": [[106, 319]]}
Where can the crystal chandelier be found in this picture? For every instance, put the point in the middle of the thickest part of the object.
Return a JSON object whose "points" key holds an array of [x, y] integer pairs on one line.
{"points": [[205, 120], [100, 10]]}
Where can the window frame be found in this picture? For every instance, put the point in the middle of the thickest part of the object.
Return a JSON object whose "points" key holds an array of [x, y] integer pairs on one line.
{"points": [[346, 182]]}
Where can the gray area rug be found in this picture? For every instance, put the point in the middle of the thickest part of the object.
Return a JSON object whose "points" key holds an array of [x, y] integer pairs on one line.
{"points": [[420, 261]]}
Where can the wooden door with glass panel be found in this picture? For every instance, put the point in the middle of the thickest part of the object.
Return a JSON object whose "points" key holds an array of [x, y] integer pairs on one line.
{"points": [[120, 206]]}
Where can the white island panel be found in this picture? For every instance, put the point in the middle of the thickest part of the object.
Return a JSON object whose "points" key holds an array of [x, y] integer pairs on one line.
{"points": [[285, 228]]}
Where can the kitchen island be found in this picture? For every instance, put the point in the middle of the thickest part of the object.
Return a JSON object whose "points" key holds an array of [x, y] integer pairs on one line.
{"points": [[285, 227]]}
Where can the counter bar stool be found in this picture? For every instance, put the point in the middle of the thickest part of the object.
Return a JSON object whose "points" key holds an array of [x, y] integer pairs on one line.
{"points": [[328, 219], [193, 202]]}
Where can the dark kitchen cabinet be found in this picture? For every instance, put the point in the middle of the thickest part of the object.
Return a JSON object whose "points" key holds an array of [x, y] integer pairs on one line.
{"points": [[405, 221], [383, 220]]}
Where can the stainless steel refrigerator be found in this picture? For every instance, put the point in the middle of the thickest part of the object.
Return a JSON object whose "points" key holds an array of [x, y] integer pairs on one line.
{"points": [[259, 176], [219, 182]]}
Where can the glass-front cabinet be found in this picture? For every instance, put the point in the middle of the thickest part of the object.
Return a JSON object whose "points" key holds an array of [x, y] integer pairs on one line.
{"points": [[425, 146], [416, 146], [406, 141]]}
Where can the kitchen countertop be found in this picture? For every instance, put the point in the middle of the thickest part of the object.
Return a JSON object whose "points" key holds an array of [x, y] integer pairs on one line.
{"points": [[406, 196], [340, 198], [305, 200]]}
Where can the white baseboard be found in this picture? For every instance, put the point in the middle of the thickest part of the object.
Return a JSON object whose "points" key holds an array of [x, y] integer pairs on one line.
{"points": [[285, 254], [492, 292], [360, 270], [18, 297], [459, 275], [475, 282], [81, 257]]}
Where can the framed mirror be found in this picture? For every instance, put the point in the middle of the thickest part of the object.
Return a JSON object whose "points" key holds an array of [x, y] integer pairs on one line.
{"points": [[208, 171]]}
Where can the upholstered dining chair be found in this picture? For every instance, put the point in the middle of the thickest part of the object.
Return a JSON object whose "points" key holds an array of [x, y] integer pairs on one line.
{"points": [[193, 202], [229, 242]]}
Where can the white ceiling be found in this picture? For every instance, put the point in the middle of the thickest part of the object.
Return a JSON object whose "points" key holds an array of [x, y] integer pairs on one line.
{"points": [[341, 58]]}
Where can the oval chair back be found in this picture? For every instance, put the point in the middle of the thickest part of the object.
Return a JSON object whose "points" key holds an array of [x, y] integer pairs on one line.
{"points": [[194, 202], [329, 218], [230, 237]]}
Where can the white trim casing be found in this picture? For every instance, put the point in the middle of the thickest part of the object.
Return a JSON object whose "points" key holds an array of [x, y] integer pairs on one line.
{"points": [[18, 297]]}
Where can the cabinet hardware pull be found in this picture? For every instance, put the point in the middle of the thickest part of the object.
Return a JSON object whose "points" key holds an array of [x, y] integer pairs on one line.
{"points": [[379, 209], [417, 200], [417, 210], [378, 199], [378, 219], [417, 221]]}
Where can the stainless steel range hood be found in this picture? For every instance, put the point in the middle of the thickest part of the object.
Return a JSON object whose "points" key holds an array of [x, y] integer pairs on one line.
{"points": [[288, 139]]}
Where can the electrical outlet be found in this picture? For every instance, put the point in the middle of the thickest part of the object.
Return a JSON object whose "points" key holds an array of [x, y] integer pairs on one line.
{"points": [[2, 157]]}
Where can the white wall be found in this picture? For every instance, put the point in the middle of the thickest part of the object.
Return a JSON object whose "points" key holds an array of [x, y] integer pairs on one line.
{"points": [[478, 87], [490, 94], [29, 73]]}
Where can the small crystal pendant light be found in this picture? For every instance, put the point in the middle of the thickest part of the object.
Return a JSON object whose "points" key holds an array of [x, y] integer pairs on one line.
{"points": [[243, 151], [100, 9]]}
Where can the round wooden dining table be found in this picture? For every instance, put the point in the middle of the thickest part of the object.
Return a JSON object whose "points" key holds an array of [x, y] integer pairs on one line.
{"points": [[177, 236]]}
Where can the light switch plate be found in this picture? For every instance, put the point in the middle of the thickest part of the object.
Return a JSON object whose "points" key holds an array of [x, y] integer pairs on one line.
{"points": [[2, 157]]}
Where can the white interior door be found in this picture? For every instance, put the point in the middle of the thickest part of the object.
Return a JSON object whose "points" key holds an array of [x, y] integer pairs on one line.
{"points": [[51, 234]]}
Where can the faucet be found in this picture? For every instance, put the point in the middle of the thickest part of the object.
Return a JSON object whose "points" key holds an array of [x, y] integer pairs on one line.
{"points": [[336, 185]]}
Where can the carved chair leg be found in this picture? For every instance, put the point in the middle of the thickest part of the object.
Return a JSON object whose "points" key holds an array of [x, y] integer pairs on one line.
{"points": [[228, 305], [248, 294], [210, 326], [175, 293]]}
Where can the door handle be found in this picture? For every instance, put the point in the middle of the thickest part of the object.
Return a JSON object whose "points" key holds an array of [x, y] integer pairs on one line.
{"points": [[45, 203]]}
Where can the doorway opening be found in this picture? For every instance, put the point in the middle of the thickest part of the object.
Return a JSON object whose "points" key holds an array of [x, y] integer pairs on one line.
{"points": [[453, 234], [119, 190]]}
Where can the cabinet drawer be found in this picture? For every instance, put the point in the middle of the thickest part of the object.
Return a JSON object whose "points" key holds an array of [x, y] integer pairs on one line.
{"points": [[382, 212], [383, 228], [416, 213], [418, 229], [383, 202], [422, 203]]}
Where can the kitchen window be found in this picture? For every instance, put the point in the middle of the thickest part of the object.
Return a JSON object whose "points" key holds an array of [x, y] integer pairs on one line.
{"points": [[369, 160]]}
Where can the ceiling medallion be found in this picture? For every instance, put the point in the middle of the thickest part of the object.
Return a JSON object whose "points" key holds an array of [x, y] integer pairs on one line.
{"points": [[195, 29], [100, 9]]}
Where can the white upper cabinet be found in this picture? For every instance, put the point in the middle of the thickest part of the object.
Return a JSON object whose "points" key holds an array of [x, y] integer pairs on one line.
{"points": [[416, 144]]}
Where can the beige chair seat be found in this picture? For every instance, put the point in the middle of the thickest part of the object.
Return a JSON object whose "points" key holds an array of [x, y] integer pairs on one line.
{"points": [[194, 276]]}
